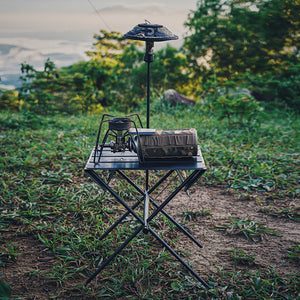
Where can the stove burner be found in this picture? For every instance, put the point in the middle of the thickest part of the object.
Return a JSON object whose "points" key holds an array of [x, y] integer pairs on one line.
{"points": [[119, 131], [119, 124]]}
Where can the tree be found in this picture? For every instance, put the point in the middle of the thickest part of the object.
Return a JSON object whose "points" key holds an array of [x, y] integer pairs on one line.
{"points": [[117, 69], [233, 37], [51, 90], [110, 68]]}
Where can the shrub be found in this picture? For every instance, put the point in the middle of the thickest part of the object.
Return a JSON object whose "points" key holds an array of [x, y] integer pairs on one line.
{"points": [[284, 86], [9, 100], [50, 91], [236, 106]]}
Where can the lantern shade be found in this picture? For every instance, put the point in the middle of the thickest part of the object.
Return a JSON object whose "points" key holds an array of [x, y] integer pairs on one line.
{"points": [[150, 33]]}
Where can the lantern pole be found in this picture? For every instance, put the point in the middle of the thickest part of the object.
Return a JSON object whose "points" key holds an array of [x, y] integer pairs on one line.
{"points": [[149, 33], [148, 58]]}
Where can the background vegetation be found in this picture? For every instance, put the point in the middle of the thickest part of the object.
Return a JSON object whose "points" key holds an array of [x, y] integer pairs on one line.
{"points": [[241, 64], [231, 44]]}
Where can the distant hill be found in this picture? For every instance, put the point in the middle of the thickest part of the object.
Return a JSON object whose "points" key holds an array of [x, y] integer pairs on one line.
{"points": [[5, 48], [10, 81]]}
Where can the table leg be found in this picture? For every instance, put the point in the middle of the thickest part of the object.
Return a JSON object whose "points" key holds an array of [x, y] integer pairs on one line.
{"points": [[188, 181], [108, 260], [122, 218], [184, 231], [178, 257], [102, 184]]}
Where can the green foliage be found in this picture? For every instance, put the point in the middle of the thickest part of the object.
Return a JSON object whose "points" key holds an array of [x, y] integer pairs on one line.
{"points": [[5, 290], [119, 72], [25, 119], [240, 106], [50, 91], [243, 36], [233, 38], [113, 60], [8, 253], [282, 86], [109, 47], [252, 285], [294, 252], [241, 257], [288, 213], [170, 70], [9, 100], [252, 230], [194, 215], [114, 76]]}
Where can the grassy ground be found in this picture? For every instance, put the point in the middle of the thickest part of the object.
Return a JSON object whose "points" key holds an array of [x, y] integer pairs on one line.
{"points": [[46, 200]]}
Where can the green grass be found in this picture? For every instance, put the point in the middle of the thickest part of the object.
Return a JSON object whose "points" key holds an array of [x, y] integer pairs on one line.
{"points": [[259, 154], [241, 257], [194, 215], [251, 229], [44, 192]]}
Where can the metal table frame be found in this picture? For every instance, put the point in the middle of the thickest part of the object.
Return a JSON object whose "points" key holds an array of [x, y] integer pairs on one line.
{"points": [[121, 161]]}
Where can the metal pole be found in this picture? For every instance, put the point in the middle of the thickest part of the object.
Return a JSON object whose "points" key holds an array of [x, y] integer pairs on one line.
{"points": [[157, 206], [107, 261], [178, 257], [148, 58], [146, 212], [135, 205], [148, 94]]}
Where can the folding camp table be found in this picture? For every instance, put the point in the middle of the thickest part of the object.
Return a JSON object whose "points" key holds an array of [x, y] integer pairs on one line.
{"points": [[118, 163]]}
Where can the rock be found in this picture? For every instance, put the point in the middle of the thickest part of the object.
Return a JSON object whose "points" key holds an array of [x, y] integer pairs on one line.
{"points": [[174, 98]]}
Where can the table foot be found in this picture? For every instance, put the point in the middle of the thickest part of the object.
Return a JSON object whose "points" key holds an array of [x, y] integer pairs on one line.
{"points": [[107, 261], [178, 258]]}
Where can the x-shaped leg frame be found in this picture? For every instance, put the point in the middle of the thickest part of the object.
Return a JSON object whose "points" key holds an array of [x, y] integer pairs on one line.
{"points": [[187, 183]]}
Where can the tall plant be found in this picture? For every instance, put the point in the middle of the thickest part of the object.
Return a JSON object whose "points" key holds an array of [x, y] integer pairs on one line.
{"points": [[232, 37], [51, 90]]}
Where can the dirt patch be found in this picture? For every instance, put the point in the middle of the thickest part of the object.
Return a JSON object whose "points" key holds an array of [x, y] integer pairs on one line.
{"points": [[215, 207], [201, 212], [22, 269]]}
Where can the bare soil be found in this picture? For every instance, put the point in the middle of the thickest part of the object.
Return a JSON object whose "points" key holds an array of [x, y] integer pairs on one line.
{"points": [[206, 208], [269, 249]]}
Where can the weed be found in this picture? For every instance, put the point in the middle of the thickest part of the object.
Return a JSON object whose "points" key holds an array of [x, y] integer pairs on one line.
{"points": [[288, 213], [242, 107], [194, 215], [294, 252], [241, 257], [258, 285], [8, 253], [252, 230], [247, 197], [5, 289]]}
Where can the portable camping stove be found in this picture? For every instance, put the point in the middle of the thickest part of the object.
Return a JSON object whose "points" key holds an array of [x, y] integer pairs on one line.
{"points": [[148, 144], [120, 130]]}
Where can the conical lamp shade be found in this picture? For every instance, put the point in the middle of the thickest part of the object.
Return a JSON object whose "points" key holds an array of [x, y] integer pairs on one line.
{"points": [[150, 33]]}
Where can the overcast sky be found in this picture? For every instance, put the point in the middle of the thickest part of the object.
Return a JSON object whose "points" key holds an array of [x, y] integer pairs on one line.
{"points": [[63, 30], [77, 19]]}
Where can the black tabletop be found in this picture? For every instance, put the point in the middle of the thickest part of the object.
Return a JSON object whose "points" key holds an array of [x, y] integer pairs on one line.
{"points": [[129, 161]]}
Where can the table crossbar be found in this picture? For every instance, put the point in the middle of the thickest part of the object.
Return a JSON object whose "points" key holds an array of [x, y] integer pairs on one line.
{"points": [[116, 163], [163, 211]]}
